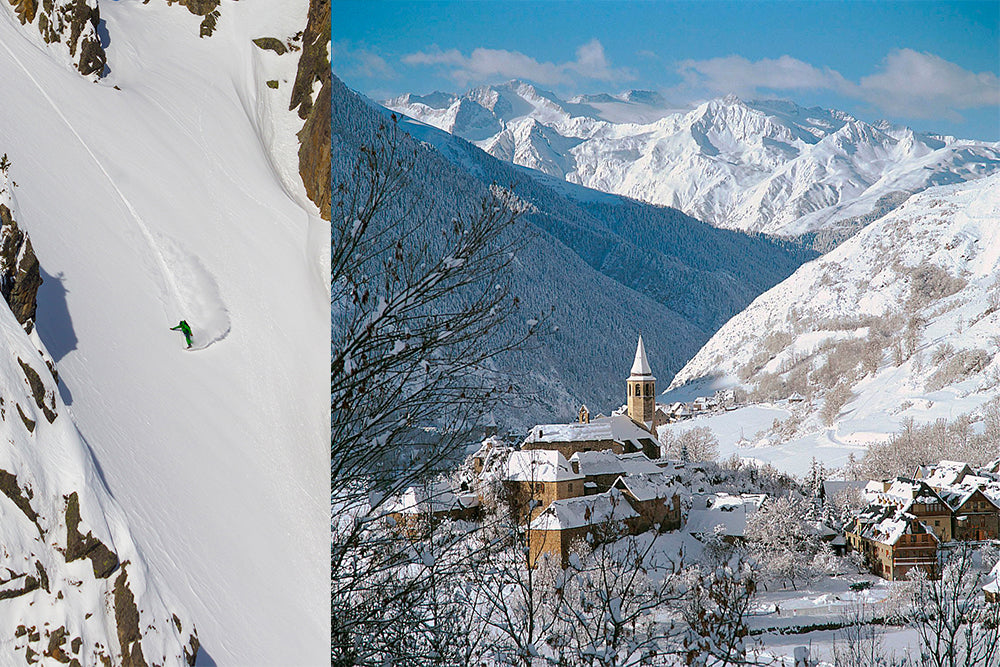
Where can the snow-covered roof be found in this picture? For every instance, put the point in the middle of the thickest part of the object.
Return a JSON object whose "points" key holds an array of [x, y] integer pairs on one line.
{"points": [[619, 428], [724, 510], [956, 496], [568, 513], [539, 465], [887, 524], [947, 473], [591, 464], [637, 463], [435, 498], [649, 486], [902, 492], [994, 580], [640, 367]]}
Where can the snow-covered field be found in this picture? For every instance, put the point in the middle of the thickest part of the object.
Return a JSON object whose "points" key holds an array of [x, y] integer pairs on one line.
{"points": [[163, 192]]}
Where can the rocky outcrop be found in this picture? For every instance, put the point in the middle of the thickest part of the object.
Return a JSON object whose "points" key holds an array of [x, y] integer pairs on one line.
{"points": [[207, 9], [21, 499], [70, 22], [271, 44], [102, 559], [127, 622], [41, 395], [314, 137], [20, 277]]}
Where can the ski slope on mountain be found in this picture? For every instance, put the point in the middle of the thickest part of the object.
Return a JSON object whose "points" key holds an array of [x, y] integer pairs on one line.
{"points": [[760, 166], [166, 191]]}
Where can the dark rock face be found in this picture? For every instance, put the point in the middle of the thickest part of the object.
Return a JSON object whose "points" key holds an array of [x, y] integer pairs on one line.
{"points": [[191, 650], [28, 423], [19, 271], [127, 621], [11, 489], [208, 9], [38, 391], [271, 44], [314, 137], [102, 559], [73, 22]]}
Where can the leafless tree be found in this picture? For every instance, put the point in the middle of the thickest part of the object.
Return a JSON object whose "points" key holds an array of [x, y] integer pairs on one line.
{"points": [[421, 310], [955, 623]]}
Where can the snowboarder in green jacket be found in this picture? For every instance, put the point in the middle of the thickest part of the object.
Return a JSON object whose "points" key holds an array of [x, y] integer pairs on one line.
{"points": [[183, 327]]}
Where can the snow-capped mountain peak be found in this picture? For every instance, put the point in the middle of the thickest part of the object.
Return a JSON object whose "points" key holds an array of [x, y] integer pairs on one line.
{"points": [[769, 166]]}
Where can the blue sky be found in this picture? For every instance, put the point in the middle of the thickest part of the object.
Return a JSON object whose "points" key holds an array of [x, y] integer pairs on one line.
{"points": [[932, 65]]}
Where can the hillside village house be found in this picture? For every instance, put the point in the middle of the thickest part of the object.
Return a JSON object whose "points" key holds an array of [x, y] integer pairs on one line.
{"points": [[419, 508], [722, 511], [893, 542], [592, 520], [949, 501], [917, 498], [656, 497], [538, 477]]}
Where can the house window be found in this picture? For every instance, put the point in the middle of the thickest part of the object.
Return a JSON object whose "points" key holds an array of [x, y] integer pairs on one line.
{"points": [[571, 487]]}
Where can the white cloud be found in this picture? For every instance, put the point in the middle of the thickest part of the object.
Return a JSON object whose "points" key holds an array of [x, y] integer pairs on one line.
{"points": [[736, 74], [925, 85], [356, 61], [908, 83], [484, 64]]}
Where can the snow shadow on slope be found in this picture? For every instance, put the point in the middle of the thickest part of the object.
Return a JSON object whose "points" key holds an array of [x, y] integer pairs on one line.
{"points": [[55, 326], [197, 295]]}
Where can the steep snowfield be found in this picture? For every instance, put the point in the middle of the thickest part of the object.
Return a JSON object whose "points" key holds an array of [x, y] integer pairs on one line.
{"points": [[906, 314], [164, 192], [765, 166], [74, 584]]}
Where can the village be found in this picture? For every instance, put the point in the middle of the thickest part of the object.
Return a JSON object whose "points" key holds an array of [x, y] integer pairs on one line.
{"points": [[600, 478]]}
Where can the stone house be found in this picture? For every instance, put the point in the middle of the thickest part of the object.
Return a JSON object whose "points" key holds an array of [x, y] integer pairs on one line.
{"points": [[723, 511], [893, 542], [419, 508], [599, 469], [655, 497], [919, 499], [592, 520], [617, 433], [975, 516], [535, 478]]}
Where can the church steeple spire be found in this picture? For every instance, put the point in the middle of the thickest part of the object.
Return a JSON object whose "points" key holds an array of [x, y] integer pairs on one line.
{"points": [[641, 387], [640, 367]]}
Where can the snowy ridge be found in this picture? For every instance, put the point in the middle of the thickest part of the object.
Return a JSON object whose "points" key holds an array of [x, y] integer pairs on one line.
{"points": [[900, 321], [766, 166]]}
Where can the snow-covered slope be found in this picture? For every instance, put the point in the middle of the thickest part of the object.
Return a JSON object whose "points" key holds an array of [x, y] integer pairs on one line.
{"points": [[75, 585], [766, 166], [902, 320], [167, 190]]}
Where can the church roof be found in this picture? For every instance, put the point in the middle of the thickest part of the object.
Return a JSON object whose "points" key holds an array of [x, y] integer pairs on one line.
{"points": [[640, 367]]}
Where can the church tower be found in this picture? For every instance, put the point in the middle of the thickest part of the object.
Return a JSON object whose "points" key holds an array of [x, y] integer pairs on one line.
{"points": [[641, 389]]}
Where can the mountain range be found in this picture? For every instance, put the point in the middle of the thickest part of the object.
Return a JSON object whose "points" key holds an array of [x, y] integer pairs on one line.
{"points": [[765, 166]]}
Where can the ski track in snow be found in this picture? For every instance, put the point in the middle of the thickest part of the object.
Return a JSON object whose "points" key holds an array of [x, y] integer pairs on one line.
{"points": [[191, 303]]}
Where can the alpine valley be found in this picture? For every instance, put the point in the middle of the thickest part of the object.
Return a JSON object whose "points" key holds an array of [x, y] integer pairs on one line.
{"points": [[895, 320]]}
